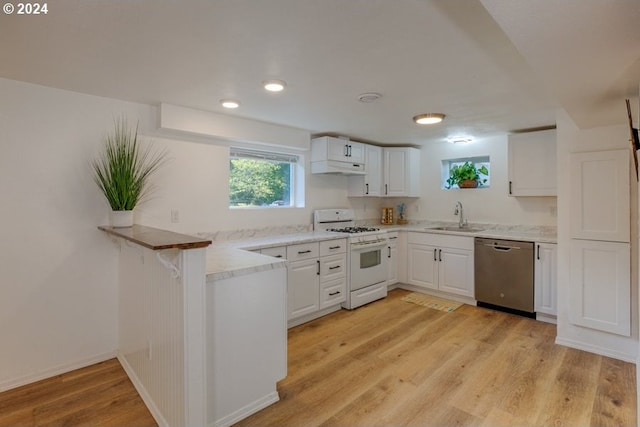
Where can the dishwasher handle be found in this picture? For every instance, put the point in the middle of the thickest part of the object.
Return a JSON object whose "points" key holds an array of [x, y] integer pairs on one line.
{"points": [[502, 248]]}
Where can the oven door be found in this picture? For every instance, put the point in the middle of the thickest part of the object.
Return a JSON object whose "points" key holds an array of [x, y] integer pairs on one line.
{"points": [[368, 264]]}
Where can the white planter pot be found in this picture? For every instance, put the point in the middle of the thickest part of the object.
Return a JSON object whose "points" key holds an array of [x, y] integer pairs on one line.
{"points": [[121, 219]]}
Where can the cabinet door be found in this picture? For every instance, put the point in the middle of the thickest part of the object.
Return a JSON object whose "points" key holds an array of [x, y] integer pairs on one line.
{"points": [[600, 286], [303, 293], [455, 271], [423, 266], [369, 184], [600, 192], [532, 164], [401, 172], [545, 271], [337, 149], [356, 152], [392, 264]]}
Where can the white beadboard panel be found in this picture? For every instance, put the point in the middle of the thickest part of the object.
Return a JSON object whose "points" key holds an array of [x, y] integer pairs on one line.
{"points": [[152, 334], [600, 286]]}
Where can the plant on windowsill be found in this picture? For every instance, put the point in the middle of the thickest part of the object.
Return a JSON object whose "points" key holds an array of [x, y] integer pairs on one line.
{"points": [[122, 172], [467, 176]]}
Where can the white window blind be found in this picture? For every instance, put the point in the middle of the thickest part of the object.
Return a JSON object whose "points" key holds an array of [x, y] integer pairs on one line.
{"points": [[245, 153]]}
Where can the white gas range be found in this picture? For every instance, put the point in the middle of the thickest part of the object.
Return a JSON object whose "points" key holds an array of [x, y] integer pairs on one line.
{"points": [[366, 259]]}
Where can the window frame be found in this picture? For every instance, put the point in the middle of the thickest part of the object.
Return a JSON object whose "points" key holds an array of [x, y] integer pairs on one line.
{"points": [[296, 174]]}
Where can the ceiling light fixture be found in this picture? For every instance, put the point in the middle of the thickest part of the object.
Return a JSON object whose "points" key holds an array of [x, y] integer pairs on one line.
{"points": [[428, 119], [459, 139], [229, 103], [274, 85]]}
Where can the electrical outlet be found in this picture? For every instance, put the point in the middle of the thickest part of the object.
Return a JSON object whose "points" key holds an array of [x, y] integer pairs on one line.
{"points": [[175, 216]]}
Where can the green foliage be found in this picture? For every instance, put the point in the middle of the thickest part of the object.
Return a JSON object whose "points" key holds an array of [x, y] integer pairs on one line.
{"points": [[258, 183], [468, 170], [123, 169]]}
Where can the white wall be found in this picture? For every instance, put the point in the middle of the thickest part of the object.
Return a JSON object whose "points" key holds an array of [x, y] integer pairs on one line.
{"points": [[58, 294], [488, 205], [572, 139]]}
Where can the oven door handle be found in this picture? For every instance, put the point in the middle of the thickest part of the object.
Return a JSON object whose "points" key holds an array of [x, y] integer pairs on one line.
{"points": [[360, 247]]}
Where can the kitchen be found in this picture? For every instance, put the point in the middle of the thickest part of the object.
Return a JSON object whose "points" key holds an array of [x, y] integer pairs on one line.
{"points": [[56, 207]]}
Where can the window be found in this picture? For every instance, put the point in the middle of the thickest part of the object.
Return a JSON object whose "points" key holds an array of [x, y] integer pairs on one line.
{"points": [[481, 165], [264, 179]]}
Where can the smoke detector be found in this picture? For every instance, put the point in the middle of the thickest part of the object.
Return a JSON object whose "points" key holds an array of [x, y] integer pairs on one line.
{"points": [[369, 97]]}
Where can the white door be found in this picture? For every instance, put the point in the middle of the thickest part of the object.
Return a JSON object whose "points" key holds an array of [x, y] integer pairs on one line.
{"points": [[545, 271], [423, 266], [600, 194], [532, 164], [600, 288], [303, 293], [373, 177], [395, 180], [455, 271]]}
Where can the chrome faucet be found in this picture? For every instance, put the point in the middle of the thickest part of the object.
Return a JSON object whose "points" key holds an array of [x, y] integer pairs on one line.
{"points": [[459, 211]]}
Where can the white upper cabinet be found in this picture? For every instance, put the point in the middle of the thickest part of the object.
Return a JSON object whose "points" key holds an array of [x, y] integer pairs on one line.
{"points": [[401, 172], [532, 164], [600, 195], [336, 155], [369, 184]]}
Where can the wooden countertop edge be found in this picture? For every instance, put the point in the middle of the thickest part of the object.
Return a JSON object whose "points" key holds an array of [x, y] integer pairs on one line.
{"points": [[155, 238]]}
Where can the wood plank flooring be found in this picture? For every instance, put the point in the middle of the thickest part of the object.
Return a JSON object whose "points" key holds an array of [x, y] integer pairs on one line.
{"points": [[393, 363], [390, 363], [99, 395]]}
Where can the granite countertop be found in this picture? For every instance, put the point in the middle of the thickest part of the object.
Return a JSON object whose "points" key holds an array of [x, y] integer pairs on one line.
{"points": [[492, 231], [155, 238], [234, 258]]}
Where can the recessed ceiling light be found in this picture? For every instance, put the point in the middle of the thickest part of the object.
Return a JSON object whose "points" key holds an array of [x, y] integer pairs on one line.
{"points": [[428, 119], [230, 103], [369, 97], [274, 85], [459, 139]]}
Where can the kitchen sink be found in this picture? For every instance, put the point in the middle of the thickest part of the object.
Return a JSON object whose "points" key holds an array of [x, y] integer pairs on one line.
{"points": [[458, 229]]}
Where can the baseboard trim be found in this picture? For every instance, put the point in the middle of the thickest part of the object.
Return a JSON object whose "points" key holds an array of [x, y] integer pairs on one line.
{"points": [[247, 410], [631, 358], [312, 316], [142, 391], [48, 373]]}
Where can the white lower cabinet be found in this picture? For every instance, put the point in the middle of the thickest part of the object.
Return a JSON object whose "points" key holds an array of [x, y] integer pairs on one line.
{"points": [[544, 282], [316, 278], [392, 255], [440, 262]]}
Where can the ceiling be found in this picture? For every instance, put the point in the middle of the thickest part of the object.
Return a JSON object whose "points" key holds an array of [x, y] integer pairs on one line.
{"points": [[492, 66]]}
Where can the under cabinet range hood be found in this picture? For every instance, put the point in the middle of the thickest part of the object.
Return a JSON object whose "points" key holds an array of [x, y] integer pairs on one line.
{"points": [[337, 156], [336, 167]]}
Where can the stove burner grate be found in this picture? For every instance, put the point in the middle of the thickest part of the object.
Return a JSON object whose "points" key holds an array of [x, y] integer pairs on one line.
{"points": [[354, 229]]}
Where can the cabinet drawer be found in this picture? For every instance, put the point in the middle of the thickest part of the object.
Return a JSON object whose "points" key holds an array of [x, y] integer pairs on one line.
{"points": [[441, 240], [392, 237], [330, 247], [333, 267], [277, 252], [302, 251], [333, 292]]}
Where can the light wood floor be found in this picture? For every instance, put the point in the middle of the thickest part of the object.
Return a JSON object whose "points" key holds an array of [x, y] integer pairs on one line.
{"points": [[99, 395], [390, 363], [393, 363]]}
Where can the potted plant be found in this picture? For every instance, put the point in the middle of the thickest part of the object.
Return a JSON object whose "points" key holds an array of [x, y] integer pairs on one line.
{"points": [[467, 175], [122, 172]]}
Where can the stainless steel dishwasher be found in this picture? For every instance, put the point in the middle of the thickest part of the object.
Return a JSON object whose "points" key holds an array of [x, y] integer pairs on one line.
{"points": [[504, 274]]}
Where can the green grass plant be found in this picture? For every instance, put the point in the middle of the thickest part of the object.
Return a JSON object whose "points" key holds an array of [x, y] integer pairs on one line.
{"points": [[123, 169]]}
